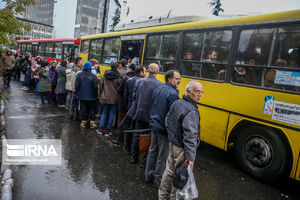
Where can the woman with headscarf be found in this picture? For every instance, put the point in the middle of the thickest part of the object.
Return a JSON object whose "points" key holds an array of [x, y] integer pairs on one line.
{"points": [[60, 89], [35, 65], [68, 85], [27, 70], [86, 88], [44, 82]]}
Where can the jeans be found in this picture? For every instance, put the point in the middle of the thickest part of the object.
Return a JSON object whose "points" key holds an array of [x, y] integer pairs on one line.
{"points": [[61, 99], [157, 156], [53, 96], [69, 97], [87, 109], [44, 95], [109, 111]]}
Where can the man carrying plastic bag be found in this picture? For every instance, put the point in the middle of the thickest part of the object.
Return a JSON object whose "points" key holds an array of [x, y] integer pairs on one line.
{"points": [[183, 127]]}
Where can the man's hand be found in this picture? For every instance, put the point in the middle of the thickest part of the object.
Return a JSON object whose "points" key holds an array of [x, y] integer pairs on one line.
{"points": [[191, 163]]}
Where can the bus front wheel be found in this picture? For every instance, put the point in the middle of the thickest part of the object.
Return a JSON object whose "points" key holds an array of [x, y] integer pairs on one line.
{"points": [[262, 153]]}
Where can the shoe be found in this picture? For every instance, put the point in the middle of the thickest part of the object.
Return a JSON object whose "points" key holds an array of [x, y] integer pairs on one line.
{"points": [[67, 107], [93, 125], [142, 165], [61, 106], [133, 160], [100, 131], [107, 133], [97, 115], [83, 124], [156, 185], [42, 101]]}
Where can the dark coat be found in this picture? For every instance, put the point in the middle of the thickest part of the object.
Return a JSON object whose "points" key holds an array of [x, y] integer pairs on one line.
{"points": [[162, 99], [61, 81], [183, 126], [142, 97], [86, 86], [123, 100], [109, 86], [128, 91]]}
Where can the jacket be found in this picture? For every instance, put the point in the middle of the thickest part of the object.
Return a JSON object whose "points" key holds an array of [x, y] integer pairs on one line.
{"points": [[183, 126], [68, 79], [53, 73], [128, 91], [99, 78], [123, 100], [109, 87], [44, 80], [34, 67], [162, 99], [75, 71], [61, 81], [86, 86], [142, 98], [8, 62]]}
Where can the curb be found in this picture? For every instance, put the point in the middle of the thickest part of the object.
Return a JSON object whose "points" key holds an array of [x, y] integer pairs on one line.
{"points": [[7, 181]]}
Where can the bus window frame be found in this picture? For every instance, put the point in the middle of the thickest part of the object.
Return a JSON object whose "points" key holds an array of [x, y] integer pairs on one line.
{"points": [[103, 44], [52, 53], [90, 47], [274, 25], [82, 45], [162, 59]]}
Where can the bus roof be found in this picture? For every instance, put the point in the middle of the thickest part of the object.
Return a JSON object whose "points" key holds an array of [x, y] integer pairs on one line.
{"points": [[271, 17], [76, 40]]}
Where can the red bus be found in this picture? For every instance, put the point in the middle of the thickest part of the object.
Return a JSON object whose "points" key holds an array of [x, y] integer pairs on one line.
{"points": [[50, 48]]}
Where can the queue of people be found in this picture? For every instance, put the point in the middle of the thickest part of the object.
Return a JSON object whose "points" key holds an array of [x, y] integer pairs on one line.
{"points": [[126, 99]]}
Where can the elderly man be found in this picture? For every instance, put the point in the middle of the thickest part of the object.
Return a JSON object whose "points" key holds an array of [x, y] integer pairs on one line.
{"points": [[140, 110], [183, 127], [162, 99]]}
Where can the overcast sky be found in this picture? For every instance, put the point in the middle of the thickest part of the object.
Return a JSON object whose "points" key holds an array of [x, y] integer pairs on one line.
{"points": [[200, 7]]}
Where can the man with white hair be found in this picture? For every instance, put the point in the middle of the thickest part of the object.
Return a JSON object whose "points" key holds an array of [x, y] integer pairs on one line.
{"points": [[183, 128]]}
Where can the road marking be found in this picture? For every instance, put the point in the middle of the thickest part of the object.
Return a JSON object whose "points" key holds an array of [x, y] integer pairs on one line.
{"points": [[34, 116], [18, 94]]}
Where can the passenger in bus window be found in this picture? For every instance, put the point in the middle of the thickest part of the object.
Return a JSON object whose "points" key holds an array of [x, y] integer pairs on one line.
{"points": [[211, 70], [271, 74]]}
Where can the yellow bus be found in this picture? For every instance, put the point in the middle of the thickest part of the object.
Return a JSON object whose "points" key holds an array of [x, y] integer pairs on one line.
{"points": [[250, 69]]}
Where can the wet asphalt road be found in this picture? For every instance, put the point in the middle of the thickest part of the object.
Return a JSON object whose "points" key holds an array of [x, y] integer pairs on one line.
{"points": [[94, 169]]}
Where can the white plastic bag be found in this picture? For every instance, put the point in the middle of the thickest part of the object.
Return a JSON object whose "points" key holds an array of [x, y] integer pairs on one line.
{"points": [[189, 191]]}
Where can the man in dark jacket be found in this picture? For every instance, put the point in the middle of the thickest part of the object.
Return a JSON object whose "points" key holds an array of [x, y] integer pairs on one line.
{"points": [[86, 88], [162, 99], [123, 103], [140, 110], [128, 91], [183, 127], [109, 98]]}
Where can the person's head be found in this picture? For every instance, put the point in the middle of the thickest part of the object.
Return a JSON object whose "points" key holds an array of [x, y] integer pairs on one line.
{"points": [[281, 62], [153, 69], [63, 63], [27, 57], [194, 90], [129, 60], [52, 64], [23, 56], [173, 77], [114, 65], [188, 55], [87, 66], [8, 52], [213, 55], [141, 70], [123, 63], [95, 63], [251, 61], [38, 58], [44, 63], [131, 68], [70, 66], [79, 61]]}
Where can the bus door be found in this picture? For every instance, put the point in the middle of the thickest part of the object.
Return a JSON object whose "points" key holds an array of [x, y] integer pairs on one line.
{"points": [[67, 50], [34, 49], [132, 47]]}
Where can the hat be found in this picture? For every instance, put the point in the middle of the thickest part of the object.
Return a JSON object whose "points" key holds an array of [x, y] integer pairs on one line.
{"points": [[94, 61], [71, 65], [114, 65], [87, 66], [132, 66]]}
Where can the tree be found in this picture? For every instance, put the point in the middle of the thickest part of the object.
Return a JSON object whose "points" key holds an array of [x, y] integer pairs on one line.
{"points": [[116, 19], [9, 25], [216, 7]]}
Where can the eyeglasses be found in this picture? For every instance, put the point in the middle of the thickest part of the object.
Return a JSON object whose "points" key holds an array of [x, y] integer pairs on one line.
{"points": [[198, 92]]}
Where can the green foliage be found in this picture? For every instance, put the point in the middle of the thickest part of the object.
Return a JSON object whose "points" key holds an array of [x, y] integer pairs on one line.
{"points": [[9, 25], [216, 7], [116, 19]]}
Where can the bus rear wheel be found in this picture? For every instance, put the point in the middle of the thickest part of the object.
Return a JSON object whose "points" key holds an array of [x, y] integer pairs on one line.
{"points": [[262, 153]]}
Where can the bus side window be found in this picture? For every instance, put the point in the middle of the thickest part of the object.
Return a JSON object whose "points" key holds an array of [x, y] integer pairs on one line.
{"points": [[96, 49], [84, 48], [58, 50], [111, 50], [216, 51], [161, 49]]}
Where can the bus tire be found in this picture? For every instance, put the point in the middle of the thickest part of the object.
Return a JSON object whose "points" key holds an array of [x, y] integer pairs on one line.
{"points": [[262, 153]]}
